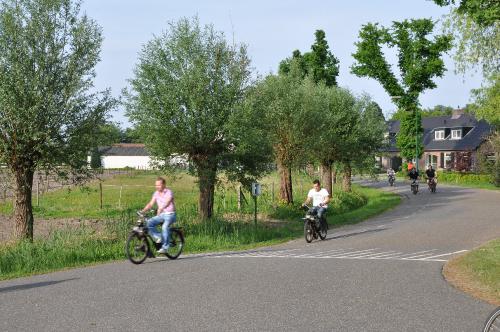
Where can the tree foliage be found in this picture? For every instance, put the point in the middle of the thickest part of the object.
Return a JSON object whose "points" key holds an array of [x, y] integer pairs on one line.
{"points": [[49, 114], [481, 12], [320, 64], [187, 98], [419, 62]]}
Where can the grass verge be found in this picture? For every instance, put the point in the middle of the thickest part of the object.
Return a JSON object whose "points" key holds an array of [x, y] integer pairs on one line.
{"points": [[88, 245], [477, 272]]}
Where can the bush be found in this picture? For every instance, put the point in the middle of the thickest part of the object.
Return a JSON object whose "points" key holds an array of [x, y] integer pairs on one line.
{"points": [[463, 178]]}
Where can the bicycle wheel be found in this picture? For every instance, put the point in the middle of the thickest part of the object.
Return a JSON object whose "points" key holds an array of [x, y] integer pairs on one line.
{"points": [[176, 244], [137, 248], [493, 323], [308, 232]]}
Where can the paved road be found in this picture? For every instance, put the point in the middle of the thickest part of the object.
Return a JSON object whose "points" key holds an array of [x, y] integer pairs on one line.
{"points": [[380, 275]]}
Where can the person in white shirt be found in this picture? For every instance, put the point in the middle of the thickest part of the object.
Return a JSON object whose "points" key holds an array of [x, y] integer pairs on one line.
{"points": [[320, 199], [390, 172]]}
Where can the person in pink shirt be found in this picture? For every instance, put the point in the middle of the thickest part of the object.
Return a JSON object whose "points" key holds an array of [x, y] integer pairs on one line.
{"points": [[164, 200]]}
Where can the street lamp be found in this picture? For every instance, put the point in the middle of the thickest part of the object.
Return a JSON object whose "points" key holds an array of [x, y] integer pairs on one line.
{"points": [[394, 98]]}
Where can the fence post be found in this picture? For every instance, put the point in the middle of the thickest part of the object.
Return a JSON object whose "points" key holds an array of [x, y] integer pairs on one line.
{"points": [[120, 199], [100, 193], [239, 198], [38, 191], [272, 194]]}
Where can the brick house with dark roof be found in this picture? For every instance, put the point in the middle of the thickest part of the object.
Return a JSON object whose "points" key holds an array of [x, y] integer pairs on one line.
{"points": [[450, 142]]}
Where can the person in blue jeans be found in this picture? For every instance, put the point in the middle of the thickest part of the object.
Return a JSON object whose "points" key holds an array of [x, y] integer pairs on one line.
{"points": [[320, 199], [165, 215]]}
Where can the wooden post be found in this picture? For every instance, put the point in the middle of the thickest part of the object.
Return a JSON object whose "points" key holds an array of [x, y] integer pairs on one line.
{"points": [[38, 192], [272, 193], [100, 193], [239, 198], [120, 199]]}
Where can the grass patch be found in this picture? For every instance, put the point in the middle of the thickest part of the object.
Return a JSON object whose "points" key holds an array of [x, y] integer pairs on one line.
{"points": [[477, 272], [87, 245]]}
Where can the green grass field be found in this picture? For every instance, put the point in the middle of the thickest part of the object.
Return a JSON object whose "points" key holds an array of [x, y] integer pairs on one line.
{"points": [[478, 272], [229, 229]]}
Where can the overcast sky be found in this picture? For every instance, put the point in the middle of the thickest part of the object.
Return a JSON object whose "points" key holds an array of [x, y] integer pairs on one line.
{"points": [[272, 29]]}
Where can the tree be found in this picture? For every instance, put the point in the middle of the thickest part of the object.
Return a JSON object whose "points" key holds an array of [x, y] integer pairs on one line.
{"points": [[419, 61], [487, 102], [319, 63], [337, 118], [187, 98], [365, 139], [482, 12], [48, 114], [289, 127]]}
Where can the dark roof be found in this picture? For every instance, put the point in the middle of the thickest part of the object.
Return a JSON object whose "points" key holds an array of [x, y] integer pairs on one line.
{"points": [[470, 141], [124, 149]]}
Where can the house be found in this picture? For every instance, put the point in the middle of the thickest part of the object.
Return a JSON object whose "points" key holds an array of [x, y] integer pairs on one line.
{"points": [[450, 142], [125, 155], [132, 155]]}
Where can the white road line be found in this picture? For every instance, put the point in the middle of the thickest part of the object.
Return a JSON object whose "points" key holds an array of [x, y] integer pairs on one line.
{"points": [[420, 256], [354, 253], [417, 253], [377, 254], [448, 254]]}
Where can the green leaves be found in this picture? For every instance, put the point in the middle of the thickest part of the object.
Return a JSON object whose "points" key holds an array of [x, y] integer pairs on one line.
{"points": [[48, 52], [419, 62]]}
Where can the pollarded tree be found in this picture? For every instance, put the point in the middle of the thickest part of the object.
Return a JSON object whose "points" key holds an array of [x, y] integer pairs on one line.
{"points": [[48, 114], [187, 99], [290, 125], [335, 123], [419, 61]]}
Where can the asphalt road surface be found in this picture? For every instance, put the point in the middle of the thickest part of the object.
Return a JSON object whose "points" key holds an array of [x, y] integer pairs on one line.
{"points": [[380, 275]]}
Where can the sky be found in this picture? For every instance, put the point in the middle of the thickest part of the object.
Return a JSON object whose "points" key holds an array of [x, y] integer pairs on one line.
{"points": [[271, 29]]}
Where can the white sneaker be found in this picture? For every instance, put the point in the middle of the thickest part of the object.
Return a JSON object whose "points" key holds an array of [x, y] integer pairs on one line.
{"points": [[162, 250], [157, 239]]}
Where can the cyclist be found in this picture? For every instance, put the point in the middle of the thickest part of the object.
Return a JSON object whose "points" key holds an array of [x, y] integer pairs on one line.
{"points": [[164, 199], [320, 199], [390, 173], [412, 173], [431, 175]]}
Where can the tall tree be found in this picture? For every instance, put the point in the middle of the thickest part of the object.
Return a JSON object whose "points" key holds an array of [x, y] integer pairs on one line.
{"points": [[48, 112], [319, 63], [290, 126], [419, 61], [336, 119], [187, 99], [365, 139]]}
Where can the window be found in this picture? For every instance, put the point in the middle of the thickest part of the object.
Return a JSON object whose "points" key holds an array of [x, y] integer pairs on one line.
{"points": [[439, 134], [448, 160], [456, 134], [432, 160]]}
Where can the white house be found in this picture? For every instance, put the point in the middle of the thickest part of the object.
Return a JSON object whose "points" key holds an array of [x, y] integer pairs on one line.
{"points": [[131, 155]]}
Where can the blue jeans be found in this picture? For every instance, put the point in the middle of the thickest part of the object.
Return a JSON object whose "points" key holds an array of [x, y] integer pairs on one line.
{"points": [[167, 219], [321, 211]]}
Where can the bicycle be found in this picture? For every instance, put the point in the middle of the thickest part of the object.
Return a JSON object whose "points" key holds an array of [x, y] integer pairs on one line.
{"points": [[140, 243]]}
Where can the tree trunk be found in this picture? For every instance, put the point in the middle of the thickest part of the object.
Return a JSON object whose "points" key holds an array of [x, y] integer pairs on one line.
{"points": [[326, 177], [285, 173], [310, 169], [23, 209], [334, 175], [207, 173], [346, 181]]}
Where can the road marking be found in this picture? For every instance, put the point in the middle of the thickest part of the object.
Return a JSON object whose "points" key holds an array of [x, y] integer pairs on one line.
{"points": [[350, 253]]}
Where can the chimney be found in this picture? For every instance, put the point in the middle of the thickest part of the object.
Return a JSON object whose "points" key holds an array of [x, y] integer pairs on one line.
{"points": [[457, 113]]}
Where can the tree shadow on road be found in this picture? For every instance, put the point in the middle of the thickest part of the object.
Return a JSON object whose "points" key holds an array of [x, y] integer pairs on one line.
{"points": [[33, 285]]}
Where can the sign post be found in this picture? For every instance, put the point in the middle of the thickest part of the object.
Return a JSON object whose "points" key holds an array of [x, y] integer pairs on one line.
{"points": [[256, 190]]}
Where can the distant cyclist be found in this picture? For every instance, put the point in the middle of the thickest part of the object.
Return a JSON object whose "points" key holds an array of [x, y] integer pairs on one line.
{"points": [[431, 175], [412, 172], [164, 199]]}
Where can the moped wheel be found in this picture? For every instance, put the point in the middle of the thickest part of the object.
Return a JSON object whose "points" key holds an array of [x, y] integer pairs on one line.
{"points": [[137, 248], [308, 232], [323, 231], [176, 244], [493, 323]]}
